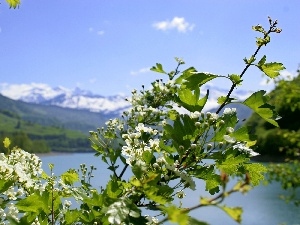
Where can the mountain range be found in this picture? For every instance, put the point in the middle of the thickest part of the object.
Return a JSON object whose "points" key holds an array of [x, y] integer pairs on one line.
{"points": [[77, 98]]}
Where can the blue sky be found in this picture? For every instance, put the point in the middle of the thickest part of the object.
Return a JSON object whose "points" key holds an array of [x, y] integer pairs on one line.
{"points": [[108, 46]]}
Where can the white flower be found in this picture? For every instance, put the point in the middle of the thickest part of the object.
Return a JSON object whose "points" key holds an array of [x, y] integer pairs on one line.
{"points": [[188, 180], [214, 116], [151, 220], [229, 130], [243, 148], [229, 139], [229, 111], [195, 115]]}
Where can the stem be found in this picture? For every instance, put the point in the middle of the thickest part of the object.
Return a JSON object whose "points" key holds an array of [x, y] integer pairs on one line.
{"points": [[245, 69], [123, 171], [219, 197]]}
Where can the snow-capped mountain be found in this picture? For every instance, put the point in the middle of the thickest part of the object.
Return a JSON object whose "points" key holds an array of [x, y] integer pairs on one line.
{"points": [[82, 99], [63, 97]]}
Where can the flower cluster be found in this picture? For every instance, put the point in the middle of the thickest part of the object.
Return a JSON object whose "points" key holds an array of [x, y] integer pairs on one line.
{"points": [[21, 171], [22, 168], [139, 141]]}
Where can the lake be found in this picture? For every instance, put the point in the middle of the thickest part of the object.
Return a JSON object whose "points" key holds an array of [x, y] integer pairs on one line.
{"points": [[261, 205]]}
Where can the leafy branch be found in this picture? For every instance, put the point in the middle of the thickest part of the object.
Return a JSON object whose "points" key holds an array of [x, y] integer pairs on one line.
{"points": [[266, 68]]}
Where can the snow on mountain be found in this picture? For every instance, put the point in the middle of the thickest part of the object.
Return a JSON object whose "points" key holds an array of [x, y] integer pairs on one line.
{"points": [[81, 99], [63, 97]]}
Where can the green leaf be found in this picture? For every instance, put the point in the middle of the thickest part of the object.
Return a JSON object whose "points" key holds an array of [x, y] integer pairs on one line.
{"points": [[270, 69], [70, 177], [32, 203], [158, 194], [213, 182], [255, 171], [113, 190], [137, 171], [243, 134], [176, 215], [183, 130], [147, 156], [221, 100], [231, 163], [234, 212], [192, 79], [258, 103], [13, 3], [5, 185], [193, 221], [72, 216], [190, 99], [262, 61], [250, 60], [189, 92], [230, 120], [236, 79], [158, 68], [207, 173]]}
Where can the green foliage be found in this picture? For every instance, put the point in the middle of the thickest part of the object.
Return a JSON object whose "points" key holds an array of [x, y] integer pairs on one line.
{"points": [[258, 103], [288, 174], [165, 142], [272, 70], [37, 138], [284, 140], [234, 212]]}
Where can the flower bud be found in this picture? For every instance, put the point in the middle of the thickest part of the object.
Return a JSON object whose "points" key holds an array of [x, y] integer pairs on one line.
{"points": [[206, 125], [221, 123], [229, 130], [132, 136], [193, 146], [209, 146], [221, 144], [155, 165], [197, 124]]}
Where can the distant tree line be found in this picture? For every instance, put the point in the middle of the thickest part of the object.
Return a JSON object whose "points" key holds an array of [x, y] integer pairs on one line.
{"points": [[284, 141], [46, 143]]}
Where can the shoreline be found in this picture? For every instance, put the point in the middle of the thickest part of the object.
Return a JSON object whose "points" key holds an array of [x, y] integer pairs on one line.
{"points": [[53, 153], [58, 153]]}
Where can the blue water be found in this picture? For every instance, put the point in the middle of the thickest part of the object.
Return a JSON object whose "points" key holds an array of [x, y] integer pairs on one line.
{"points": [[261, 205]]}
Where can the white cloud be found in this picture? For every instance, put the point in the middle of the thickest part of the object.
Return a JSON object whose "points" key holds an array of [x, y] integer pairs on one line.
{"points": [[142, 70], [178, 23], [98, 32], [17, 91]]}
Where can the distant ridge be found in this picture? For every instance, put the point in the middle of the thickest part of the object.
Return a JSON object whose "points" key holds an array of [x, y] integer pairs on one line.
{"points": [[49, 115], [59, 96]]}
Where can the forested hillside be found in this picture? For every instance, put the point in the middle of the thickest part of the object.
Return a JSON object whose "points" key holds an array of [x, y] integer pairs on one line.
{"points": [[39, 128], [286, 139]]}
